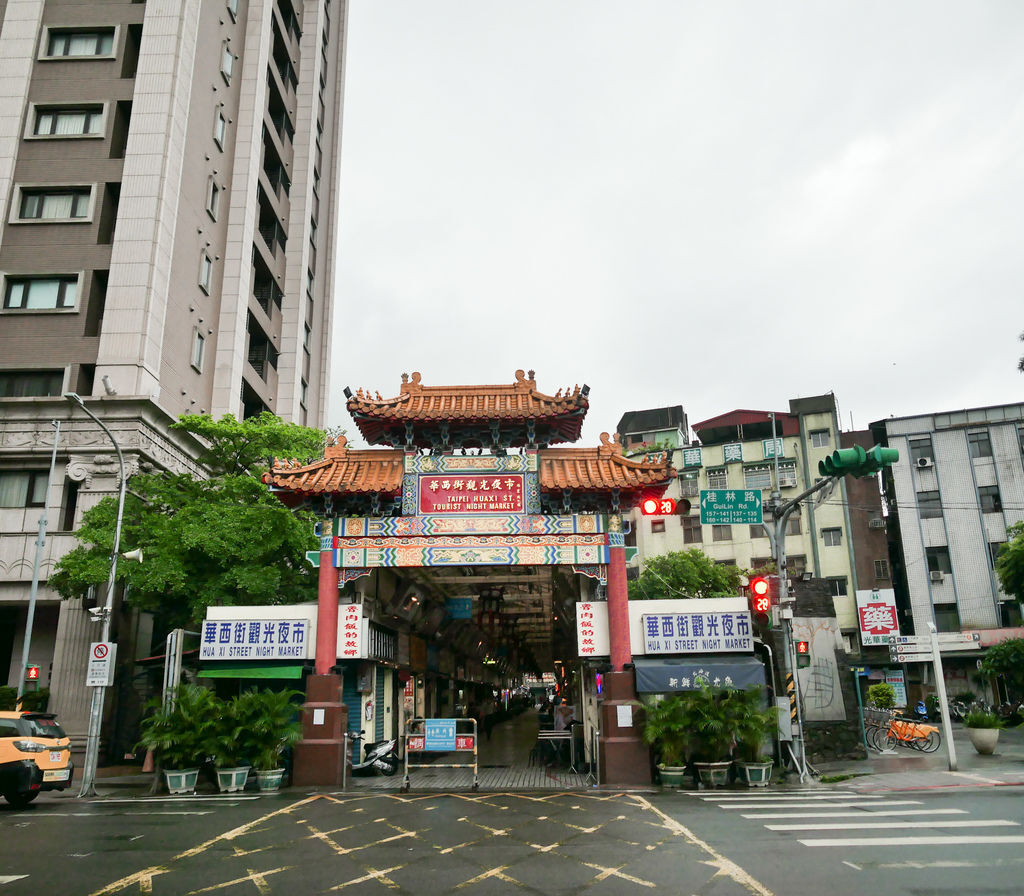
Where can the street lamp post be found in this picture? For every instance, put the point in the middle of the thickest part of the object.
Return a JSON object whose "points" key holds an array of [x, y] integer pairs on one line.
{"points": [[92, 744]]}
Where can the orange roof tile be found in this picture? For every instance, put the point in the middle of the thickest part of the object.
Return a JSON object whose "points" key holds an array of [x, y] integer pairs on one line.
{"points": [[470, 405], [342, 470], [599, 469]]}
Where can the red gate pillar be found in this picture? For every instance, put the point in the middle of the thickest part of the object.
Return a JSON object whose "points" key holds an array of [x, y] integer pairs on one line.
{"points": [[320, 753], [625, 759]]}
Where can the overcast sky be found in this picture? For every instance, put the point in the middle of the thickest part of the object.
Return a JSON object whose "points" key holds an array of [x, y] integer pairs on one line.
{"points": [[720, 205]]}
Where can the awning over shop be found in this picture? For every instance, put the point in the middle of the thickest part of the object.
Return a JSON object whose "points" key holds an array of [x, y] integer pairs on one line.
{"points": [[247, 670], [663, 675]]}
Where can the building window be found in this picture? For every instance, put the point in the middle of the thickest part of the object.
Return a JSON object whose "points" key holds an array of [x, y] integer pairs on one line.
{"points": [[198, 349], [212, 198], [205, 272], [307, 338], [757, 477], [762, 563], [796, 566], [881, 569], [988, 496], [99, 42], [689, 484], [787, 475], [309, 282], [718, 478], [721, 533], [837, 585], [31, 383], [979, 443], [68, 122], [55, 205], [233, 9], [833, 538], [758, 532], [820, 438], [304, 395], [993, 551], [938, 560], [40, 293], [691, 530], [657, 526], [725, 563], [23, 488], [929, 507], [227, 62], [220, 129], [793, 525], [920, 449], [947, 618]]}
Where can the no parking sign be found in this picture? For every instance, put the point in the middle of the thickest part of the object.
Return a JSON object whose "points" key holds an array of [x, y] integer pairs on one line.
{"points": [[100, 672]]}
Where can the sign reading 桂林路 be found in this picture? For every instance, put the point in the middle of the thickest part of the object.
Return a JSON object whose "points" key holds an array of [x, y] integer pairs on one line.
{"points": [[698, 632], [729, 507], [254, 639]]}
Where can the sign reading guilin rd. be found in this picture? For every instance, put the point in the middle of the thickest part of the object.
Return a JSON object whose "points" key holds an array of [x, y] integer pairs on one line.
{"points": [[728, 507]]}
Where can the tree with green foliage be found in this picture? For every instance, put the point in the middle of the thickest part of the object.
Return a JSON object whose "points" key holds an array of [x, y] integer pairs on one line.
{"points": [[690, 573], [1010, 562], [1006, 659], [223, 540]]}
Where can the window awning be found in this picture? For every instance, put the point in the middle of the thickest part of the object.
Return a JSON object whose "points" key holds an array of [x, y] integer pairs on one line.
{"points": [[664, 675], [247, 670]]}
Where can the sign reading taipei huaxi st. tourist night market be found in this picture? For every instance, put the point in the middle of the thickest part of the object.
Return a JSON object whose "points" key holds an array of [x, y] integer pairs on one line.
{"points": [[492, 493], [254, 639], [724, 632]]}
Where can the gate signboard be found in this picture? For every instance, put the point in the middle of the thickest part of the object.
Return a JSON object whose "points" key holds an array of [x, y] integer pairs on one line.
{"points": [[495, 493]]}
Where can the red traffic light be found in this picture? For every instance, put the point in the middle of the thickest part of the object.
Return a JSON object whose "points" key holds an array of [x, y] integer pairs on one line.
{"points": [[32, 673], [658, 506], [803, 647], [760, 595]]}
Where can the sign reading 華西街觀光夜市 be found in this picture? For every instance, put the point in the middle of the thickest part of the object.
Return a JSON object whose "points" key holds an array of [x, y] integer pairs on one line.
{"points": [[254, 639], [723, 632], [730, 507]]}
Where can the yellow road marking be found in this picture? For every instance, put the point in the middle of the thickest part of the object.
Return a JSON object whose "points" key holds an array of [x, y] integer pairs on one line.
{"points": [[725, 866], [494, 872], [374, 874], [255, 877], [608, 872]]}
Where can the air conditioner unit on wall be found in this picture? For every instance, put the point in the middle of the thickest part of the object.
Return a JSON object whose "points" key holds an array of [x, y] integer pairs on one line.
{"points": [[936, 576], [876, 523], [924, 462]]}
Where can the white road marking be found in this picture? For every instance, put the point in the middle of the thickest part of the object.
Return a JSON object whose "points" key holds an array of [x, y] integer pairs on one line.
{"points": [[11, 878], [882, 825], [121, 814], [806, 795], [176, 799], [854, 814], [916, 841], [842, 804], [854, 867]]}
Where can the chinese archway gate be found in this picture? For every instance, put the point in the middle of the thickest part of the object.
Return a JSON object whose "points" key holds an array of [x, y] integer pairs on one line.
{"points": [[465, 478]]}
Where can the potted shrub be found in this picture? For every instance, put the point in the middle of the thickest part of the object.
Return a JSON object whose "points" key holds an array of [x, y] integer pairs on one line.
{"points": [[270, 725], [178, 733], [667, 729], [227, 745], [983, 730], [754, 724], [713, 727]]}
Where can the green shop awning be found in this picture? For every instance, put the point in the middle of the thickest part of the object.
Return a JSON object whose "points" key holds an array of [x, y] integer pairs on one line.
{"points": [[249, 670], [665, 675]]}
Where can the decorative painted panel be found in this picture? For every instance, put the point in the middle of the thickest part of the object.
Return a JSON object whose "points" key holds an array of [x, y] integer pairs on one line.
{"points": [[507, 524], [457, 463], [472, 551]]}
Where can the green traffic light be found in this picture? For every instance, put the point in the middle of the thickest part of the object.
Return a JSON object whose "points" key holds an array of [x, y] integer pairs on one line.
{"points": [[857, 462]]}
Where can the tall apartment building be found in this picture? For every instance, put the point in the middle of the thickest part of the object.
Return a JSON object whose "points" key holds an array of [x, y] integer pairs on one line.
{"points": [[958, 486], [736, 450], [168, 208]]}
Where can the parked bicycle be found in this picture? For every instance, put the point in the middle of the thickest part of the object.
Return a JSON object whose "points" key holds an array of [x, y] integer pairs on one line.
{"points": [[884, 731]]}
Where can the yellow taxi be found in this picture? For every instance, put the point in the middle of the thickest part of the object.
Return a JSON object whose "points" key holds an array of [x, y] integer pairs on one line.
{"points": [[35, 755]]}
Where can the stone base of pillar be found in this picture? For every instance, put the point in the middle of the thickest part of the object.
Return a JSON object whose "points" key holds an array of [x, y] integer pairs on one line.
{"points": [[624, 757], [318, 759]]}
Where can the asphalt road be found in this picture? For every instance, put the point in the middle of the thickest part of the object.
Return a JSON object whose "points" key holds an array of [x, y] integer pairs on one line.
{"points": [[825, 840]]}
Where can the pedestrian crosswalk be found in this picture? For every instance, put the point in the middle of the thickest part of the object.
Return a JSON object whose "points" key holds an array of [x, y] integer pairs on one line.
{"points": [[869, 819]]}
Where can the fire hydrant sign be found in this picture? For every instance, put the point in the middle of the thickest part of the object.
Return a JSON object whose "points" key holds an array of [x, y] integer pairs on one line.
{"points": [[100, 671]]}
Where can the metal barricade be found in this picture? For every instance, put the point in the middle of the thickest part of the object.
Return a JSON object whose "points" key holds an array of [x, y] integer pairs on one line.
{"points": [[441, 736]]}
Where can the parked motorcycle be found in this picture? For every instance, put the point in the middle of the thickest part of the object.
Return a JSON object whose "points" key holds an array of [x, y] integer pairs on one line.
{"points": [[379, 758]]}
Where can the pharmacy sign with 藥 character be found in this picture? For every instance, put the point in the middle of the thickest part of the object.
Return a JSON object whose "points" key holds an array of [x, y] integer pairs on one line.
{"points": [[876, 616]]}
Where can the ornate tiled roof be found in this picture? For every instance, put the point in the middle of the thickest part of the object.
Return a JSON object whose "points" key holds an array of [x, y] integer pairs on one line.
{"points": [[599, 469], [342, 471], [470, 409]]}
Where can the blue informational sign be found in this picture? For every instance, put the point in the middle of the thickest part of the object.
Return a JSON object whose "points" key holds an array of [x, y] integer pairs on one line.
{"points": [[439, 734], [459, 607]]}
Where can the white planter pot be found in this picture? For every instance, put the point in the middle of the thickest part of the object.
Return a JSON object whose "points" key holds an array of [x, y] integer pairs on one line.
{"points": [[267, 781], [231, 780], [181, 780], [672, 776], [984, 740]]}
